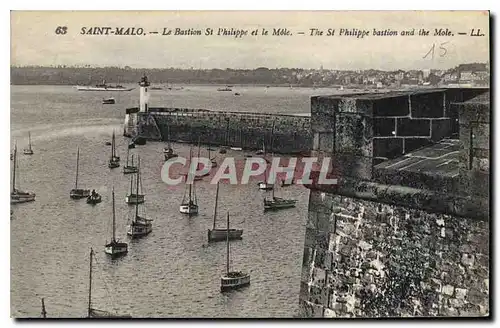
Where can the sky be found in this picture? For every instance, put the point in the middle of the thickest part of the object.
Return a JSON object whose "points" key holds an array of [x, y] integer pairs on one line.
{"points": [[34, 40]]}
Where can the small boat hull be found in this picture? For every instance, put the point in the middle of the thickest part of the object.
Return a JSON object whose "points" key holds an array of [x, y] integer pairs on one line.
{"points": [[22, 197], [133, 199], [139, 141], [228, 283], [116, 249], [188, 209], [270, 205], [221, 234], [129, 169], [28, 152], [109, 101], [265, 186], [94, 199], [236, 148], [79, 193], [113, 164], [139, 228]]}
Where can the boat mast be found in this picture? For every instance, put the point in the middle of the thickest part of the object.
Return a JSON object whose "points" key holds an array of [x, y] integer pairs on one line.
{"points": [[272, 141], [113, 146], [227, 245], [14, 172], [168, 136], [29, 140], [114, 219], [137, 189], [216, 200], [77, 164], [90, 283], [190, 161], [44, 313], [131, 183]]}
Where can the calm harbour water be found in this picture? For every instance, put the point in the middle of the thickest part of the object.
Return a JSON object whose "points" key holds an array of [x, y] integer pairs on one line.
{"points": [[172, 272]]}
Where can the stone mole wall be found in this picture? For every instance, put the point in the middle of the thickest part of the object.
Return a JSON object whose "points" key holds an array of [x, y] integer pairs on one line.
{"points": [[292, 134], [368, 259]]}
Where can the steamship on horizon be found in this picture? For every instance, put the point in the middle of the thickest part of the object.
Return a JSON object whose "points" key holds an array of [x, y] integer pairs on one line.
{"points": [[103, 87]]}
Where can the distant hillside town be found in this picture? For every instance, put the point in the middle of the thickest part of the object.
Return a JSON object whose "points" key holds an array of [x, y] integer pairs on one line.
{"points": [[473, 74]]}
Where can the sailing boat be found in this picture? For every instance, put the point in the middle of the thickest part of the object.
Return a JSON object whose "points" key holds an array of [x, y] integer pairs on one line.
{"points": [[212, 160], [115, 247], [77, 193], [127, 169], [135, 198], [18, 196], [232, 279], [265, 185], [95, 313], [277, 203], [222, 234], [189, 205], [114, 161], [140, 225], [94, 198], [168, 152], [29, 150]]}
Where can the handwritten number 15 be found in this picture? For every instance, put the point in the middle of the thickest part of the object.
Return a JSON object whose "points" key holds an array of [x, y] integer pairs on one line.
{"points": [[442, 51]]}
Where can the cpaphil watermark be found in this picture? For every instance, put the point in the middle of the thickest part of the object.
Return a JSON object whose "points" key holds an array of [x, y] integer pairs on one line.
{"points": [[179, 170]]}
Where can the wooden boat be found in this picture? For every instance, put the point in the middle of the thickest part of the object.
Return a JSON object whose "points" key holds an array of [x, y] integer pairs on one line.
{"points": [[189, 204], [114, 247], [108, 101], [114, 160], [138, 197], [93, 312], [140, 225], [232, 279], [94, 198], [277, 203], [215, 234], [168, 152], [128, 169], [77, 193], [18, 196], [29, 150], [138, 140]]}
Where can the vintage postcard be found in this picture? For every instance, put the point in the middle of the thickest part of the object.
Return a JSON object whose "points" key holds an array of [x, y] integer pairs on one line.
{"points": [[250, 164]]}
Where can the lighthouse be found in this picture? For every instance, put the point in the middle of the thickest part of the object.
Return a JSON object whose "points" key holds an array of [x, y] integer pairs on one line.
{"points": [[144, 95]]}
